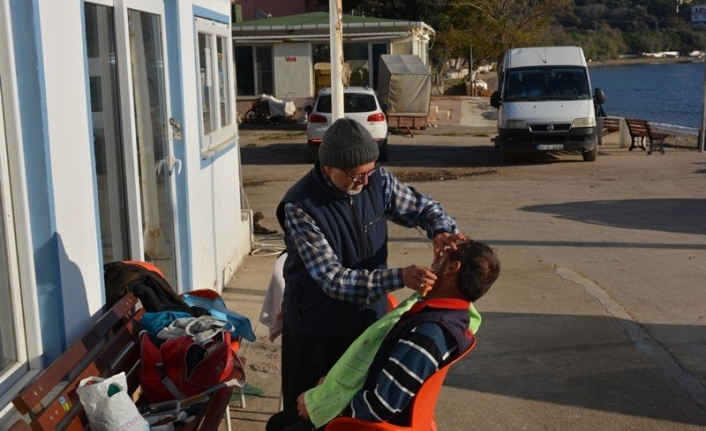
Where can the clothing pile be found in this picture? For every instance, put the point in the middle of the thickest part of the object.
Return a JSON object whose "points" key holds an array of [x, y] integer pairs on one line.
{"points": [[189, 342]]}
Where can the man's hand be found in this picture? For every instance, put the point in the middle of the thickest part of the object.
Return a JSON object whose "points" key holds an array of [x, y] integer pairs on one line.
{"points": [[417, 277], [444, 243], [301, 407]]}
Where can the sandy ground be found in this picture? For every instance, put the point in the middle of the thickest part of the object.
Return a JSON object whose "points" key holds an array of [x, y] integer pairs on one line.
{"points": [[275, 156]]}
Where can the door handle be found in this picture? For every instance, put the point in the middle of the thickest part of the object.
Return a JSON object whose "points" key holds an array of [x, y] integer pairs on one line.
{"points": [[161, 164], [175, 162], [169, 163]]}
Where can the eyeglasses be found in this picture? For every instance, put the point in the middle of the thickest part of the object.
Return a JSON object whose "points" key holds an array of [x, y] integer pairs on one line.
{"points": [[359, 178]]}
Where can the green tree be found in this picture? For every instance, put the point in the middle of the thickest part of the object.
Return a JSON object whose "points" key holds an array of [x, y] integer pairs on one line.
{"points": [[490, 27], [499, 25], [603, 28]]}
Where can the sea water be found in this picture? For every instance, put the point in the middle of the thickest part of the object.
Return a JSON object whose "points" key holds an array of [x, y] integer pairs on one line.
{"points": [[669, 95]]}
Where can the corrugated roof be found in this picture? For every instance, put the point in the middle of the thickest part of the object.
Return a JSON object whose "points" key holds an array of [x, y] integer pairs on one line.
{"points": [[311, 18]]}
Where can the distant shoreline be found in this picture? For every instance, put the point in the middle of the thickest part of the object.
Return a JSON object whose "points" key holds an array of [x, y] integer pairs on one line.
{"points": [[643, 60], [491, 77]]}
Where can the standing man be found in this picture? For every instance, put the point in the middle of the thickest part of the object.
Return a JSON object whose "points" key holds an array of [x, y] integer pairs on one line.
{"points": [[336, 275]]}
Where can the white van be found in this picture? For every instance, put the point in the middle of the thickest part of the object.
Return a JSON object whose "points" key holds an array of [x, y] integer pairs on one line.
{"points": [[545, 103]]}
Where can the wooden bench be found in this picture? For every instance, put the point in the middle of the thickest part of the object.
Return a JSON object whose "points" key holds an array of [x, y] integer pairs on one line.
{"points": [[639, 130], [111, 346], [611, 124]]}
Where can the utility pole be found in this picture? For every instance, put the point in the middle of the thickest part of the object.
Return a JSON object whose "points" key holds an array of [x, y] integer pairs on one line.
{"points": [[703, 115], [470, 72], [336, 41]]}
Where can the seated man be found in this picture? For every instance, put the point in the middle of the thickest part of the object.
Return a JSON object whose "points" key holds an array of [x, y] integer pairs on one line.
{"points": [[433, 332]]}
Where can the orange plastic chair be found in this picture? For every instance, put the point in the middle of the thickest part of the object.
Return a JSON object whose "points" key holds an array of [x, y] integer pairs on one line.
{"points": [[145, 265], [423, 405], [391, 302]]}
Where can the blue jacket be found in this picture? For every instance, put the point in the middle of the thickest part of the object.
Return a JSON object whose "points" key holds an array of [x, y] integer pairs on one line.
{"points": [[455, 324], [356, 229]]}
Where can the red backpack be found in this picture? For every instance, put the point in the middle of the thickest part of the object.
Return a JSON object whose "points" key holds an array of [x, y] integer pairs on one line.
{"points": [[180, 368]]}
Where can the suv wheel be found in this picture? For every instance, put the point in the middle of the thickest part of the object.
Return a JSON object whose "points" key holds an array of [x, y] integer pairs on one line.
{"points": [[383, 151], [312, 153]]}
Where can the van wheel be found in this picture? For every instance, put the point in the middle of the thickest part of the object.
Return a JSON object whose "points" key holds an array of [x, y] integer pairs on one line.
{"points": [[507, 157], [590, 156]]}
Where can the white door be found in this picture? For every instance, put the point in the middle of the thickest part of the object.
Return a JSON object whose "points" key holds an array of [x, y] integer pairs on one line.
{"points": [[149, 162]]}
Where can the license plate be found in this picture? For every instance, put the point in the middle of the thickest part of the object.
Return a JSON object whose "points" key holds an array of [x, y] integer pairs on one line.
{"points": [[550, 147]]}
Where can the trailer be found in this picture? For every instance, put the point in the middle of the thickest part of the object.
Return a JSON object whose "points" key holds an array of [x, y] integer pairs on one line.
{"points": [[404, 87]]}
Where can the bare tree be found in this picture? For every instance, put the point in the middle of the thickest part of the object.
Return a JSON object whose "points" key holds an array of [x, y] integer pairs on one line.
{"points": [[494, 26]]}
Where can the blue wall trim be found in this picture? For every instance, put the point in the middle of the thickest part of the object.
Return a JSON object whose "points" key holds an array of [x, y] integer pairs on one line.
{"points": [[202, 12], [220, 152], [175, 62], [31, 90]]}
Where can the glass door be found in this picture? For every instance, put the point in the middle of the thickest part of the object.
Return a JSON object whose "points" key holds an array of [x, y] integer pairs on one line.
{"points": [[153, 164], [107, 135]]}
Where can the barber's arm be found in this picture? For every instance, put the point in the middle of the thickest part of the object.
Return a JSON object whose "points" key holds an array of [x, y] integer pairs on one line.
{"points": [[408, 207], [358, 286]]}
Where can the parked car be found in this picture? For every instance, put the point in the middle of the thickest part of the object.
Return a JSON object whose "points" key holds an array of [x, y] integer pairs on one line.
{"points": [[360, 104]]}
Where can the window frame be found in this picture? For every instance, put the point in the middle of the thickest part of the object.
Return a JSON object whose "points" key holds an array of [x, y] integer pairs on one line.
{"points": [[219, 134], [263, 79], [22, 286]]}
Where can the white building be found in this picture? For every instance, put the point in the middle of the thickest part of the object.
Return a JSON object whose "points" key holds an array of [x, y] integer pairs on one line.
{"points": [[118, 141], [698, 15], [276, 56]]}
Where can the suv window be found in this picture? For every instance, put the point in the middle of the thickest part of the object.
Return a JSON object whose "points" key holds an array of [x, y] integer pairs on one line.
{"points": [[351, 103]]}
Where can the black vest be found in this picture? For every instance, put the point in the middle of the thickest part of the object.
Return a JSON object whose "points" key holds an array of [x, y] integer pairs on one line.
{"points": [[453, 322], [356, 229]]}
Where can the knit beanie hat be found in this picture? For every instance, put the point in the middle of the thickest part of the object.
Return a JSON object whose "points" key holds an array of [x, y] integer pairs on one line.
{"points": [[347, 144]]}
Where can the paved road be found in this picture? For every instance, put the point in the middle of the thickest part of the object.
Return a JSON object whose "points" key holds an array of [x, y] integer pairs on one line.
{"points": [[598, 319]]}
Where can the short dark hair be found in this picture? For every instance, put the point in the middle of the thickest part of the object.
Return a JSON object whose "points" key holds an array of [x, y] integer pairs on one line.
{"points": [[480, 268]]}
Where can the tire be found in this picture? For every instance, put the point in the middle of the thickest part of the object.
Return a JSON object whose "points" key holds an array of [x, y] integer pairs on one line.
{"points": [[590, 155], [250, 116], [312, 153], [507, 157], [383, 152]]}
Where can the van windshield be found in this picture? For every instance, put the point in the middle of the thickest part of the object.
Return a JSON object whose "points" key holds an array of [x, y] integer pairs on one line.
{"points": [[546, 83]]}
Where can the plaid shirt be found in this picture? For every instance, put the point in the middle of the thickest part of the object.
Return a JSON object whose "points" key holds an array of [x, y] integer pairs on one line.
{"points": [[403, 205]]}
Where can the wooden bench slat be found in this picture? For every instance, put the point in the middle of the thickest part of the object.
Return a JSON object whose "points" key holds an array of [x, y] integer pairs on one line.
{"points": [[210, 416], [63, 404], [611, 124], [639, 130], [20, 425], [111, 346], [31, 396]]}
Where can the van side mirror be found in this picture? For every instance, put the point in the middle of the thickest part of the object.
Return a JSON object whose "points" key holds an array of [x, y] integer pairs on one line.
{"points": [[598, 96], [495, 99]]}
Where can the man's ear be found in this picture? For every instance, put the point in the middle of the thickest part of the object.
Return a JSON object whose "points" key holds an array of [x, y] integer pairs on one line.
{"points": [[452, 267]]}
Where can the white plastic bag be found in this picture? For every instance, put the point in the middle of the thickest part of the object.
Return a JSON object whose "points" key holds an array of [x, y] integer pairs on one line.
{"points": [[108, 404]]}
